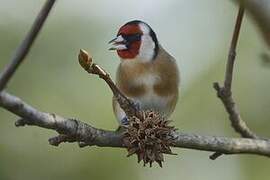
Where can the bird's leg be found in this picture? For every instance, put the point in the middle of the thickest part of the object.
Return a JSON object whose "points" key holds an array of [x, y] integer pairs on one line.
{"points": [[137, 105], [124, 121]]}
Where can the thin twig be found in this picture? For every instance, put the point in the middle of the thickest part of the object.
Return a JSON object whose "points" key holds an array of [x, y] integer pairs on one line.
{"points": [[260, 12], [25, 45], [232, 51], [225, 92], [125, 103]]}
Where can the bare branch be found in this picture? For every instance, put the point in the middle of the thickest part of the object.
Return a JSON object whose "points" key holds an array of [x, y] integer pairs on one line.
{"points": [[26, 44], [125, 103], [260, 11], [72, 130], [237, 122], [71, 127], [225, 92], [232, 51], [222, 144]]}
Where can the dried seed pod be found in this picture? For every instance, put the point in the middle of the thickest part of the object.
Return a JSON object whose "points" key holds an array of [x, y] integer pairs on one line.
{"points": [[148, 137]]}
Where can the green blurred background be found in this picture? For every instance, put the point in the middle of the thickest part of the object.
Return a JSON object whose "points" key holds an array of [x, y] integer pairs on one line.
{"points": [[197, 33]]}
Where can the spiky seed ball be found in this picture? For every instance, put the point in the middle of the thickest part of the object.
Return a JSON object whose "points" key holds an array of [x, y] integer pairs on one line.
{"points": [[148, 137]]}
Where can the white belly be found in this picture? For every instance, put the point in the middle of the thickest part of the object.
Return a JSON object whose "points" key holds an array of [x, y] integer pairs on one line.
{"points": [[150, 100]]}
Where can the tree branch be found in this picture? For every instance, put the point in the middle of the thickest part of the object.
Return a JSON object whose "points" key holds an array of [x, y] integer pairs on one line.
{"points": [[72, 130], [125, 103], [26, 44], [260, 11], [225, 92]]}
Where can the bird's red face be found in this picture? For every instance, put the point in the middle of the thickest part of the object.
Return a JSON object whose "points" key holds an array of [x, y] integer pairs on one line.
{"points": [[132, 35], [134, 39], [128, 41]]}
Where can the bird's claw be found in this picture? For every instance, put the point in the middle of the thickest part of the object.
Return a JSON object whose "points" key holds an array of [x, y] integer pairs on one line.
{"points": [[137, 106], [124, 121]]}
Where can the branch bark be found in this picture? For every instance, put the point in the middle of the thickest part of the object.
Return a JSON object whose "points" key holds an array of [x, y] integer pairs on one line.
{"points": [[72, 130], [260, 12]]}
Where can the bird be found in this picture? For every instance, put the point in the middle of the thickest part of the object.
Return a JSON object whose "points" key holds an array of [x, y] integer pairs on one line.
{"points": [[147, 73]]}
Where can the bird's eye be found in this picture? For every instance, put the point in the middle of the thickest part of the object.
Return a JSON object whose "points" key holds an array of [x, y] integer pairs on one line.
{"points": [[132, 37]]}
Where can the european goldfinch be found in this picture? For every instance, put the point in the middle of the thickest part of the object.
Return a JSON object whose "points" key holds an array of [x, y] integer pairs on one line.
{"points": [[147, 73]]}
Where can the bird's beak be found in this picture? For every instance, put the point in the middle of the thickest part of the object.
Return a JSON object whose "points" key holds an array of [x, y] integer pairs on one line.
{"points": [[118, 43]]}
